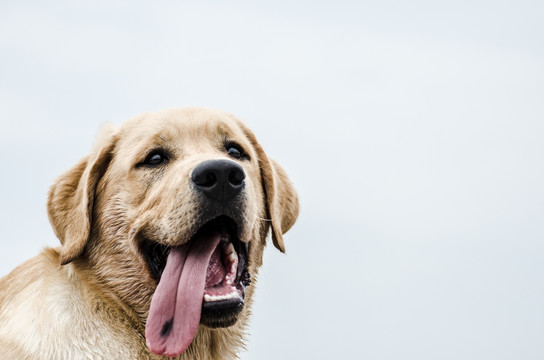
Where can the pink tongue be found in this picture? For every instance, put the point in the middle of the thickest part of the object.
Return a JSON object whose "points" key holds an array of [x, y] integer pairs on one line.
{"points": [[176, 305]]}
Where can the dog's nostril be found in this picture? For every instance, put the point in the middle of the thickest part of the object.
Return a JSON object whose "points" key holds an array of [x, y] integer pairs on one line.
{"points": [[236, 177], [210, 180], [204, 177]]}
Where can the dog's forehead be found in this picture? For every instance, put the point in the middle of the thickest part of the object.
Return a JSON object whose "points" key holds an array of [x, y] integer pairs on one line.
{"points": [[187, 127]]}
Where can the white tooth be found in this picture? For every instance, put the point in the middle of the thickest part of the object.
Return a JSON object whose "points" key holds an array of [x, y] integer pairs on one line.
{"points": [[232, 256], [230, 278], [231, 295], [230, 249]]}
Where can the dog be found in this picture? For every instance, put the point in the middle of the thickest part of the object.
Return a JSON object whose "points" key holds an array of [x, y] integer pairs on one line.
{"points": [[162, 230]]}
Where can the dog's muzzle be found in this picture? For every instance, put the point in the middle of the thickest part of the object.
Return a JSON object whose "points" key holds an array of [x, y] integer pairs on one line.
{"points": [[203, 280]]}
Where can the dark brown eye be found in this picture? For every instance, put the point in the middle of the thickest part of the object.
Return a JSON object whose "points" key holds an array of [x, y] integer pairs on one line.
{"points": [[155, 158], [236, 151]]}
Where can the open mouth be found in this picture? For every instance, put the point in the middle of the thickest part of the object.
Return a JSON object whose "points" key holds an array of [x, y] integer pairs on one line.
{"points": [[202, 281]]}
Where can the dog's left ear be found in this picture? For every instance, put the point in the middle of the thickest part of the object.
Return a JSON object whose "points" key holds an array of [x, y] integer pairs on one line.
{"points": [[280, 195], [281, 198], [71, 199]]}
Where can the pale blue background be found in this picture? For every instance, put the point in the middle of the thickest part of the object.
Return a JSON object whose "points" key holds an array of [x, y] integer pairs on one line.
{"points": [[412, 130]]}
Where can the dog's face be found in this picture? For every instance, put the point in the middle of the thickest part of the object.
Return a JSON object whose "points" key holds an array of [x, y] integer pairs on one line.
{"points": [[170, 214]]}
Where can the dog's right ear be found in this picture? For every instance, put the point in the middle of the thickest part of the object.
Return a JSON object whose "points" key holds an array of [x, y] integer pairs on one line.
{"points": [[71, 198]]}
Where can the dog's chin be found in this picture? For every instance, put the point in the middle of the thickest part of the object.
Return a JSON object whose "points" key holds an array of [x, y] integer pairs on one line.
{"points": [[220, 314], [227, 274]]}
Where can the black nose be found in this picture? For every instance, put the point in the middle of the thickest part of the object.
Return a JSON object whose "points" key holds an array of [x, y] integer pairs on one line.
{"points": [[219, 179]]}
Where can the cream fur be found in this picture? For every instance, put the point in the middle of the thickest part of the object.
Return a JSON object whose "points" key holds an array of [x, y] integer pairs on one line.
{"points": [[89, 298]]}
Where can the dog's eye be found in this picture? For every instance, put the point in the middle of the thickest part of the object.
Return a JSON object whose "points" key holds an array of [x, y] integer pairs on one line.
{"points": [[236, 151], [156, 157]]}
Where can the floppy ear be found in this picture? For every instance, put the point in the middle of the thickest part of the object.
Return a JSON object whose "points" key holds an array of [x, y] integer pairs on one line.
{"points": [[280, 196], [281, 199], [71, 199]]}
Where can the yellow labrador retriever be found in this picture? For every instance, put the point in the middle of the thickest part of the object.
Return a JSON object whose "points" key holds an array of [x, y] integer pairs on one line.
{"points": [[163, 228]]}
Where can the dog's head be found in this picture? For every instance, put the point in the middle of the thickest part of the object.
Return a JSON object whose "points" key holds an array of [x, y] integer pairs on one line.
{"points": [[170, 214]]}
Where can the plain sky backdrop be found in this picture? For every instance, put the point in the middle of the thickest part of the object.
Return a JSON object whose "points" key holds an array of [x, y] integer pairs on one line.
{"points": [[413, 131]]}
